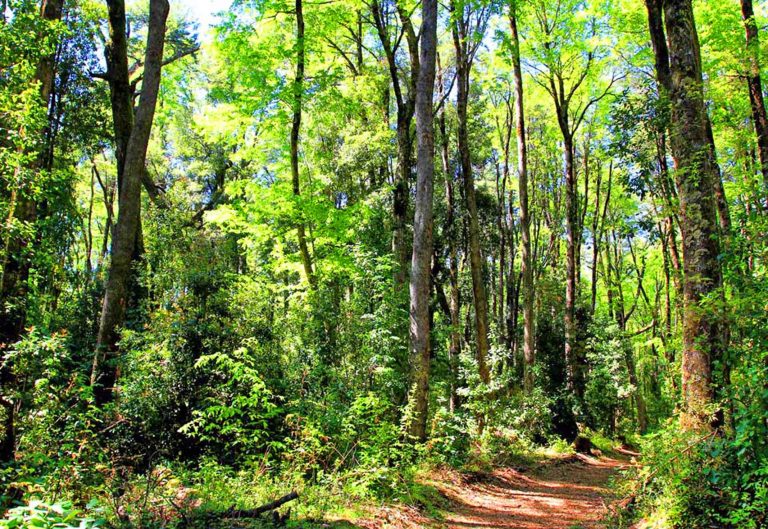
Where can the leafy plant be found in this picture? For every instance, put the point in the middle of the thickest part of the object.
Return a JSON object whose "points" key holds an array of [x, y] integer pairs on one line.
{"points": [[40, 515]]}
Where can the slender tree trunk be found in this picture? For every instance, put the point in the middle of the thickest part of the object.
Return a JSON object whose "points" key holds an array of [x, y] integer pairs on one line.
{"points": [[754, 83], [104, 373], [572, 356], [120, 90], [463, 66], [400, 199], [695, 174], [617, 265], [642, 413], [498, 304], [526, 266], [422, 229], [581, 210], [298, 96], [454, 348], [668, 193], [596, 236], [660, 50], [721, 201], [405, 103]]}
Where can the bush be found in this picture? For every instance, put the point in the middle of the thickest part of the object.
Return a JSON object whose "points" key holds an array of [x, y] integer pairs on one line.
{"points": [[39, 515], [695, 480]]}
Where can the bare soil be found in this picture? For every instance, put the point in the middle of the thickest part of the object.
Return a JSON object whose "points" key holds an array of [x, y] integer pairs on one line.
{"points": [[566, 492], [574, 491]]}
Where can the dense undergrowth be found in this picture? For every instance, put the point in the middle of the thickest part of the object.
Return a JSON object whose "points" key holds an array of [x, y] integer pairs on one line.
{"points": [[265, 343]]}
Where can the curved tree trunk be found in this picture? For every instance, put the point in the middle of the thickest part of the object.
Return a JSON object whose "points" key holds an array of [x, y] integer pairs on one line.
{"points": [[104, 372], [298, 94]]}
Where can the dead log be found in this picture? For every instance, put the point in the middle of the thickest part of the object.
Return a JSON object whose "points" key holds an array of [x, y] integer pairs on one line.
{"points": [[258, 511]]}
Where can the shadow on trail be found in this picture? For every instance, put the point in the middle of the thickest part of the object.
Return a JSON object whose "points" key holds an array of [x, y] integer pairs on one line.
{"points": [[561, 494]]}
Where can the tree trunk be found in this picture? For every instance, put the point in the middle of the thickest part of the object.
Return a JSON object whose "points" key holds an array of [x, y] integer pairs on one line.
{"points": [[422, 226], [16, 262], [721, 202], [298, 94], [454, 348], [642, 414], [754, 83], [120, 91], [660, 50], [596, 226], [405, 103], [104, 374], [463, 66], [526, 267], [695, 175], [572, 357]]}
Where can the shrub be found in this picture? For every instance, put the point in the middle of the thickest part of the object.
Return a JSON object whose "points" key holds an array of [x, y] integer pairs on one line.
{"points": [[39, 515]]}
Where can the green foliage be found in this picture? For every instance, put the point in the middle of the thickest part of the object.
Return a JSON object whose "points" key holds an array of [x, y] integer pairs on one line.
{"points": [[238, 415], [695, 480], [239, 377], [450, 438], [39, 515], [608, 387]]}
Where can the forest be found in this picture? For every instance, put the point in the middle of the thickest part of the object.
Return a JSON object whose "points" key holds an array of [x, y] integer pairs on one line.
{"points": [[354, 264]]}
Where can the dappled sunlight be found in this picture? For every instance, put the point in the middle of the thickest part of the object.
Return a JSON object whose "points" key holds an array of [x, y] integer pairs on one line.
{"points": [[557, 494]]}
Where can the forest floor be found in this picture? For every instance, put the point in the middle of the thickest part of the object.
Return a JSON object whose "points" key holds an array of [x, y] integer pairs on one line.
{"points": [[564, 492]]}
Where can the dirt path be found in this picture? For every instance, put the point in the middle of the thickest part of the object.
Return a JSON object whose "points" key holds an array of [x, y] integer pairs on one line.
{"points": [[560, 494]]}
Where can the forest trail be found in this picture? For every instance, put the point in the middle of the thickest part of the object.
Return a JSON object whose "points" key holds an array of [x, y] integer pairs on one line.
{"points": [[563, 493]]}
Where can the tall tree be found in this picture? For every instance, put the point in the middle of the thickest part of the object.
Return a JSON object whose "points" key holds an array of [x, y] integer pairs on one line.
{"points": [[451, 231], [405, 104], [695, 175], [298, 93], [422, 225], [525, 215], [755, 86], [14, 274], [104, 372], [661, 52], [564, 76], [468, 22]]}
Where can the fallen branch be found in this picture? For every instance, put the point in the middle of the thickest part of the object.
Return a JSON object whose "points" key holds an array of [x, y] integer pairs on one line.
{"points": [[252, 513]]}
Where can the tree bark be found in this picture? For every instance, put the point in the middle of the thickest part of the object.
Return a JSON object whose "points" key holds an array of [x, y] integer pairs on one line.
{"points": [[104, 373], [526, 267], [298, 95], [422, 226], [596, 226], [664, 76], [454, 348], [463, 67], [120, 91], [572, 357], [405, 107], [695, 175], [754, 84]]}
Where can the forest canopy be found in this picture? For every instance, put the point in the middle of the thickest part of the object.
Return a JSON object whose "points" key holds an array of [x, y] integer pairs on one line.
{"points": [[341, 247]]}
